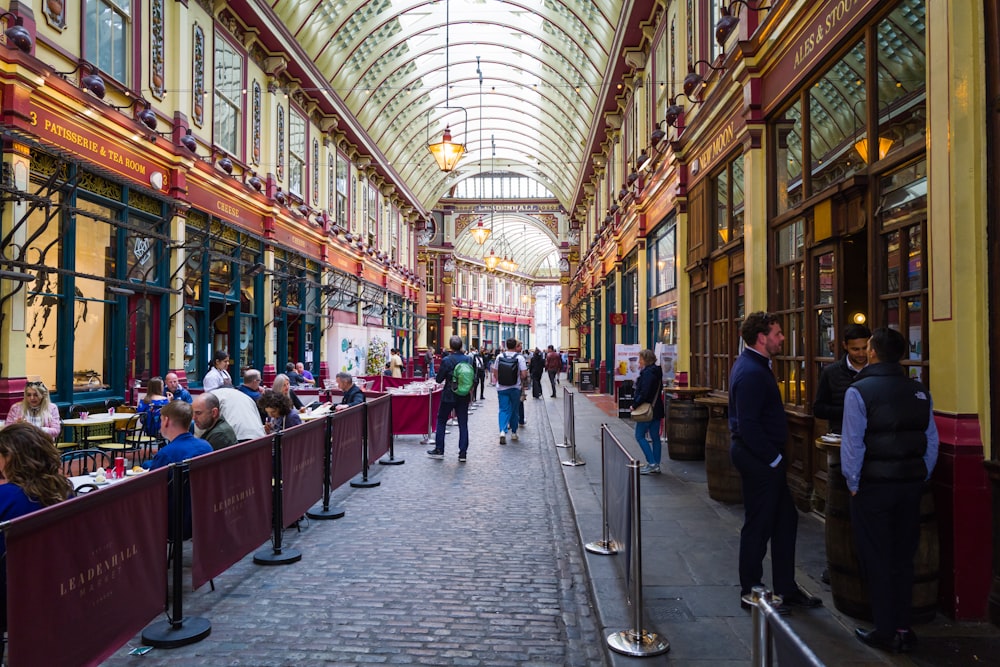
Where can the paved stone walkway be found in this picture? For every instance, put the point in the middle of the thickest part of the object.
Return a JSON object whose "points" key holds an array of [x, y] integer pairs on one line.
{"points": [[474, 564]]}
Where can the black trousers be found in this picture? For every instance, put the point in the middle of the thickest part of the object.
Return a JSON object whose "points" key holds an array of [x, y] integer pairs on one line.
{"points": [[552, 380], [770, 517], [536, 386], [481, 383], [886, 522]]}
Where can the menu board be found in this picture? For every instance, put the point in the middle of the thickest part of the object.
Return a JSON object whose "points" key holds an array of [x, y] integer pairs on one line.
{"points": [[586, 379]]}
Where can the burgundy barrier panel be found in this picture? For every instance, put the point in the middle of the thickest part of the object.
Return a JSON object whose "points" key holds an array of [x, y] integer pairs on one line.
{"points": [[302, 450], [379, 428], [230, 506], [347, 434], [383, 382], [415, 414], [86, 575]]}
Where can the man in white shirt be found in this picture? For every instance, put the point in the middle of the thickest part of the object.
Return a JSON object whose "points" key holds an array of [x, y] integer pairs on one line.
{"points": [[509, 370], [241, 412]]}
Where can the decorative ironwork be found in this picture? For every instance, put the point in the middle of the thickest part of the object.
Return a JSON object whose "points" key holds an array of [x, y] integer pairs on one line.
{"points": [[46, 164], [279, 167], [315, 172], [143, 202], [331, 185], [198, 107], [100, 186], [156, 64], [255, 150]]}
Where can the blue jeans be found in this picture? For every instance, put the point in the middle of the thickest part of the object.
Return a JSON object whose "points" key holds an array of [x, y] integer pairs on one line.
{"points": [[651, 450], [510, 408], [461, 409]]}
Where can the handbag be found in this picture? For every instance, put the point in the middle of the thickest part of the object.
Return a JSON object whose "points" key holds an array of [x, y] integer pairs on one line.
{"points": [[642, 412]]}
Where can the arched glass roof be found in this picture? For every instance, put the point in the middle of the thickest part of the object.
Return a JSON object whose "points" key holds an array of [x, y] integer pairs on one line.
{"points": [[517, 236], [406, 69]]}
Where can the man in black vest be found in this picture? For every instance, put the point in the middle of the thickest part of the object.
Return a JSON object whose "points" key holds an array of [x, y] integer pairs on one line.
{"points": [[888, 451], [838, 376]]}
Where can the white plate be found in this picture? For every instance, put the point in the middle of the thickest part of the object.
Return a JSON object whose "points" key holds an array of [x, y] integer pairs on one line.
{"points": [[129, 473], [830, 438]]}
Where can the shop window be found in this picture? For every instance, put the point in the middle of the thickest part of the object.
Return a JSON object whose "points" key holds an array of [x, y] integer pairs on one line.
{"points": [[902, 117], [92, 313], [228, 110], [727, 189], [837, 120], [106, 29], [903, 285], [788, 158], [665, 261], [700, 348], [789, 288], [372, 213], [44, 300], [823, 306], [296, 154]]}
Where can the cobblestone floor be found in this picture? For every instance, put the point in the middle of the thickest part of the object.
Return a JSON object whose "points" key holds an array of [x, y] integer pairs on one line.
{"points": [[474, 564]]}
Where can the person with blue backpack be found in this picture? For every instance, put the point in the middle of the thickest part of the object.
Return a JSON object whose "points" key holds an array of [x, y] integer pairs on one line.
{"points": [[458, 376]]}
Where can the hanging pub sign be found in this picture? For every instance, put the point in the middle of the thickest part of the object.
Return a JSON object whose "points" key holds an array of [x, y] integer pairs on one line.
{"points": [[584, 329], [616, 318]]}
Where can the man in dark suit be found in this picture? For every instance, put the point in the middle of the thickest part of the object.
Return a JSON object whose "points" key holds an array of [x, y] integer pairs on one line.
{"points": [[838, 376], [352, 392], [759, 432]]}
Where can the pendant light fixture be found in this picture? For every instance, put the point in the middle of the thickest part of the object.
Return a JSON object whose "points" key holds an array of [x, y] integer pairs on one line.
{"points": [[446, 152]]}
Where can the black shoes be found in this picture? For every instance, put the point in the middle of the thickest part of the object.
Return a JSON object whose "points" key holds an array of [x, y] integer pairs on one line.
{"points": [[902, 641], [461, 457], [801, 598], [781, 610], [435, 454], [883, 642]]}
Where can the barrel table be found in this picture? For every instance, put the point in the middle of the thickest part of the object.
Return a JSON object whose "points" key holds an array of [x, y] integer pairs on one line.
{"points": [[687, 424], [724, 483], [850, 594]]}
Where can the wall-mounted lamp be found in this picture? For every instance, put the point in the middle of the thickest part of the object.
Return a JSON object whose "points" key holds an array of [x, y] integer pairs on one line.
{"points": [[859, 318], [91, 82], [694, 81], [280, 197], [623, 192], [17, 34], [724, 28], [254, 181], [674, 113], [643, 160], [657, 135], [144, 115]]}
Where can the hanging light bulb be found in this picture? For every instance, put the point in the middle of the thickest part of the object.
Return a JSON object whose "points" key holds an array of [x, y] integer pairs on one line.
{"points": [[480, 232], [491, 260]]}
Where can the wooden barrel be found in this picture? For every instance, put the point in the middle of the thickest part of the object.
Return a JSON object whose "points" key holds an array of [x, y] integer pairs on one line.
{"points": [[724, 483], [686, 428], [850, 594]]}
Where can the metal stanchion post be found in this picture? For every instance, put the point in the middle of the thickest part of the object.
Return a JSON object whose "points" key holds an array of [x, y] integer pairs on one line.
{"points": [[177, 631], [277, 555], [636, 641], [603, 546], [569, 427], [327, 512]]}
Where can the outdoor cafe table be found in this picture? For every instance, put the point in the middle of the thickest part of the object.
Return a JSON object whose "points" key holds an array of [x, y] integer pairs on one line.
{"points": [[101, 419]]}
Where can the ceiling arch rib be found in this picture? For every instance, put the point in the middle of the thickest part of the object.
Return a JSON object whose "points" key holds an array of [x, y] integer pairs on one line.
{"points": [[543, 63], [524, 240]]}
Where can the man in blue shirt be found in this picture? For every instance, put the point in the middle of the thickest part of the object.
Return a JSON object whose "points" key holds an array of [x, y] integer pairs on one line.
{"points": [[251, 384], [888, 450], [175, 392], [450, 402], [175, 425], [759, 431]]}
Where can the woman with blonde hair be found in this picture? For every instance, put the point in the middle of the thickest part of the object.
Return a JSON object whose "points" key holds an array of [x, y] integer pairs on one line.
{"points": [[649, 389], [36, 409]]}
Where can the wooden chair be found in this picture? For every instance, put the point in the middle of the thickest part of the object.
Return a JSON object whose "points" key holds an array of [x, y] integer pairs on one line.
{"points": [[83, 461], [132, 440]]}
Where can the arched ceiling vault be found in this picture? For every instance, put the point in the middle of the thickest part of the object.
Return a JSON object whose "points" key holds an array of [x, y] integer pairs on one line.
{"points": [[522, 83], [516, 235]]}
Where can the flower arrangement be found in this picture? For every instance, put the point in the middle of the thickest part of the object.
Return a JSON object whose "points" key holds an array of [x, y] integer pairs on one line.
{"points": [[378, 356]]}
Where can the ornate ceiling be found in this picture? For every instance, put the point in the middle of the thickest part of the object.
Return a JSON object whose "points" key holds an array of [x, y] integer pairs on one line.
{"points": [[526, 76]]}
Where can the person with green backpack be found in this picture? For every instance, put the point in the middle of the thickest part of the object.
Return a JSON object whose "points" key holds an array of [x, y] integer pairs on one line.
{"points": [[458, 375]]}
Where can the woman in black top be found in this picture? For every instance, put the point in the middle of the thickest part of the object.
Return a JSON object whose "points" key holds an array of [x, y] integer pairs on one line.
{"points": [[649, 389]]}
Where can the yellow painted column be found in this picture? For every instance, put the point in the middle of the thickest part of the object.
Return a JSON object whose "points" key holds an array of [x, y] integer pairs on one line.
{"points": [[270, 331], [683, 362], [956, 216], [13, 342], [642, 277], [178, 259], [755, 228]]}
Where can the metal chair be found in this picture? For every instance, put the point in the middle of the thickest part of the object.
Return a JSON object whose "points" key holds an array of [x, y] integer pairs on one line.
{"points": [[132, 440], [83, 461], [91, 435], [85, 488]]}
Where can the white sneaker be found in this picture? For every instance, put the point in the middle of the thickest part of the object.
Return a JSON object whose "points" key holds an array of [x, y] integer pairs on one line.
{"points": [[503, 438], [514, 437]]}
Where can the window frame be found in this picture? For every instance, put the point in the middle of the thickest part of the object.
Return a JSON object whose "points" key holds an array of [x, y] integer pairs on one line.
{"points": [[234, 99]]}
